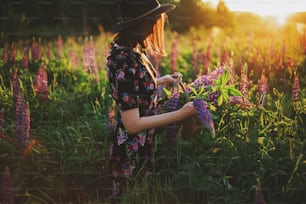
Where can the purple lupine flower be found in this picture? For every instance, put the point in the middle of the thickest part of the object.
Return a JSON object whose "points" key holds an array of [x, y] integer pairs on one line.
{"points": [[174, 53], [41, 83], [25, 60], [59, 46], [172, 105], [173, 99], [15, 83], [195, 57], [263, 88], [296, 87], [36, 50], [204, 114], [244, 83], [21, 112], [7, 187]]}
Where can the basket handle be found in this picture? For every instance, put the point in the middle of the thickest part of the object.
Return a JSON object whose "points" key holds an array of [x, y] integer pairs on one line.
{"points": [[179, 82]]}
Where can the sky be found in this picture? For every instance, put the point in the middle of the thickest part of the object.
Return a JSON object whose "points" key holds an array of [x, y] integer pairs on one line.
{"points": [[279, 9]]}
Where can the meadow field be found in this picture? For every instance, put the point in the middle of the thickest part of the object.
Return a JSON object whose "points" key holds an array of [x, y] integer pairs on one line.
{"points": [[55, 117]]}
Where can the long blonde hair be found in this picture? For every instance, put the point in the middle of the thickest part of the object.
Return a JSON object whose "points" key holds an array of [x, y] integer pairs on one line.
{"points": [[155, 41]]}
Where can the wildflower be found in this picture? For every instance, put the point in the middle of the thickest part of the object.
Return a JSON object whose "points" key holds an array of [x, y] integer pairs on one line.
{"points": [[173, 99], [296, 87], [59, 44], [195, 57], [41, 83], [172, 105], [244, 84], [36, 50], [174, 53], [7, 187], [4, 56], [25, 57], [263, 88], [12, 55], [49, 51], [204, 114]]}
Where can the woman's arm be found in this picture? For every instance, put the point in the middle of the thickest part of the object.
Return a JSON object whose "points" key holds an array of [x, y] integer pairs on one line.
{"points": [[133, 123]]}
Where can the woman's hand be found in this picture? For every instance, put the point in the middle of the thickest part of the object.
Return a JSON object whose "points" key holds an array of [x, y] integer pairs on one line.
{"points": [[188, 109], [169, 79]]}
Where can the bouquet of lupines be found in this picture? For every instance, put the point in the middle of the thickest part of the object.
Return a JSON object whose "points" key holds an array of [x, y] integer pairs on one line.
{"points": [[206, 92]]}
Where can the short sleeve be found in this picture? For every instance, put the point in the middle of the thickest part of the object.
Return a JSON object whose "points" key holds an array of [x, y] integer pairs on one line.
{"points": [[127, 82]]}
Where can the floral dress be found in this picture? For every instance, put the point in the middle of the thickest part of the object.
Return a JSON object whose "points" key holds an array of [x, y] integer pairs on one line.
{"points": [[132, 83]]}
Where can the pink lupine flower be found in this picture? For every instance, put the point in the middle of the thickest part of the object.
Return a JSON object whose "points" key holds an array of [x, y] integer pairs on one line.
{"points": [[263, 88], [174, 53], [59, 46], [232, 71], [7, 187], [25, 60], [4, 56], [195, 57], [36, 50], [244, 84], [296, 87], [41, 83], [49, 51], [12, 55]]}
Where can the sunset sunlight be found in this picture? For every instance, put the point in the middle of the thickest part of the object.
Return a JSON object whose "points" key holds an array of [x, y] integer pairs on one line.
{"points": [[279, 9]]}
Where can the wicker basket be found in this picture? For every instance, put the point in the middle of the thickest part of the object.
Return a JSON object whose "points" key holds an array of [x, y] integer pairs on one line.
{"points": [[187, 128]]}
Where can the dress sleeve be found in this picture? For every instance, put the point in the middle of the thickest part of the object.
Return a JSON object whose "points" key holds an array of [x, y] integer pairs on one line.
{"points": [[128, 78]]}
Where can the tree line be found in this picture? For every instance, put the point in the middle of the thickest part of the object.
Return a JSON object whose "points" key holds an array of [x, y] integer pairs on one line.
{"points": [[82, 17]]}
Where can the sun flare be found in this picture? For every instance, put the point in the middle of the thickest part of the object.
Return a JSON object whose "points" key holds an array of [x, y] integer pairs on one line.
{"points": [[278, 9]]}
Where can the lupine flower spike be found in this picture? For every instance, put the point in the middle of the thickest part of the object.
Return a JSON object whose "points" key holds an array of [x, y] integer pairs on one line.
{"points": [[7, 187], [244, 83], [59, 44], [25, 60], [174, 53], [195, 57], [263, 88], [296, 87], [205, 116], [41, 83], [172, 105]]}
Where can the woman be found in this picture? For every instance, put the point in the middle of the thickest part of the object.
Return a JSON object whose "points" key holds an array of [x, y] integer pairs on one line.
{"points": [[133, 85]]}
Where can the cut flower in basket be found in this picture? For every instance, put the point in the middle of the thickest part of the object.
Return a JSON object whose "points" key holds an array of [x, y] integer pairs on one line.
{"points": [[206, 92]]}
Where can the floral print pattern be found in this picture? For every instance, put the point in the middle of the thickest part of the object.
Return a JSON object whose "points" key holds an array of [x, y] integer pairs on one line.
{"points": [[132, 84]]}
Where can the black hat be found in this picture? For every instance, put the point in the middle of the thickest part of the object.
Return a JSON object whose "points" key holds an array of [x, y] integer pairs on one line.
{"points": [[133, 11]]}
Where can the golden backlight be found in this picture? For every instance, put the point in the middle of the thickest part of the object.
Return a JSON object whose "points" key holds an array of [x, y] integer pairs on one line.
{"points": [[279, 9]]}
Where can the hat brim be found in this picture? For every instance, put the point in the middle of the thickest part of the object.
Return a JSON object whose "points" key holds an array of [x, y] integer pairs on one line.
{"points": [[164, 8]]}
